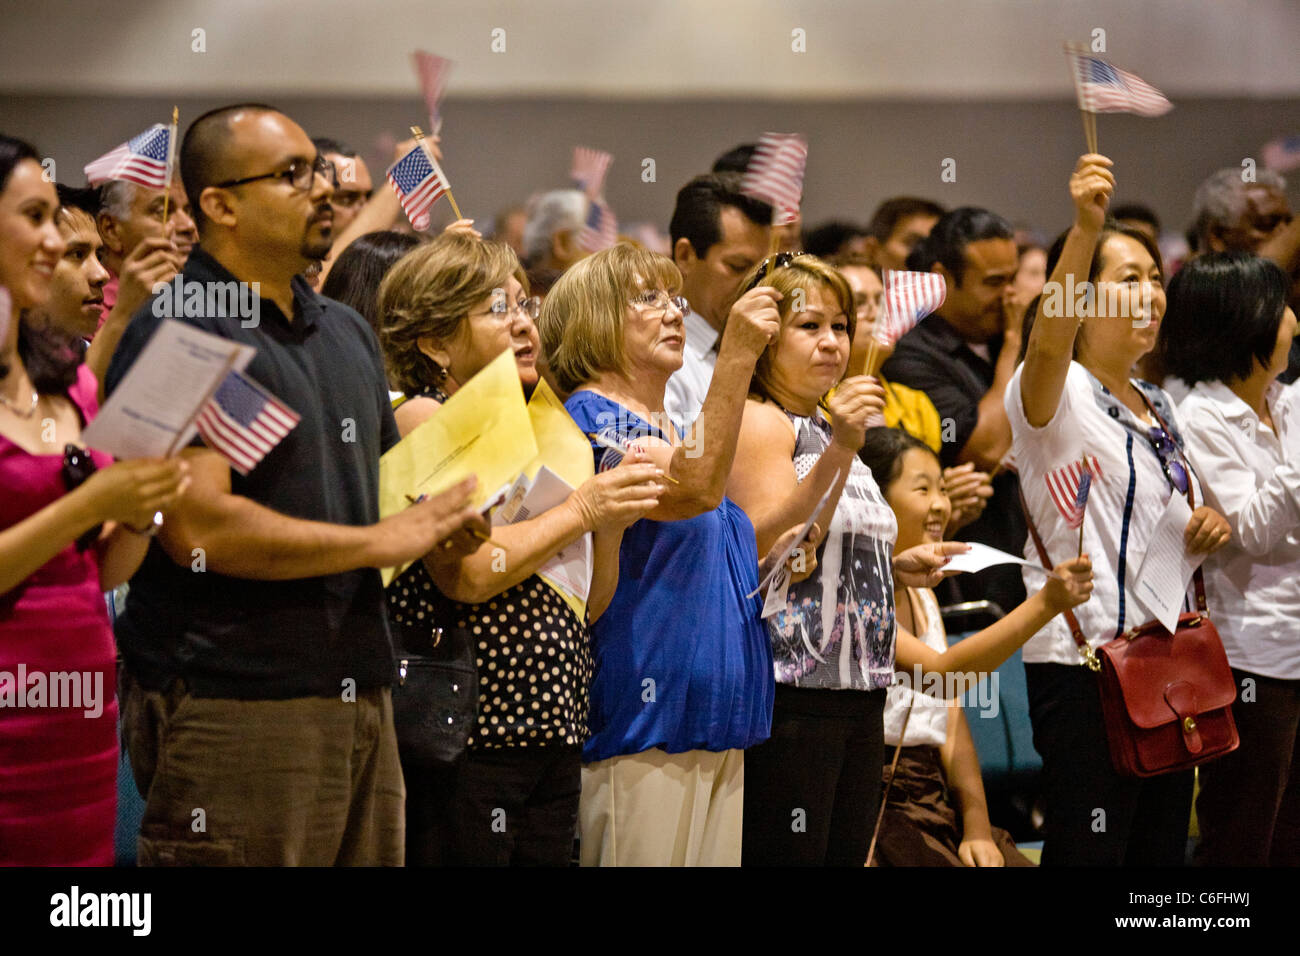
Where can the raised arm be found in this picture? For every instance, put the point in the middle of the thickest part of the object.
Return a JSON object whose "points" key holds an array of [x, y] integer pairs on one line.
{"points": [[763, 479], [702, 463], [1051, 342], [986, 651]]}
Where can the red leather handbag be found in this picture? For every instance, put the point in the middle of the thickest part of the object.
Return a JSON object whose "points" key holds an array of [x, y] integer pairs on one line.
{"points": [[1166, 699]]}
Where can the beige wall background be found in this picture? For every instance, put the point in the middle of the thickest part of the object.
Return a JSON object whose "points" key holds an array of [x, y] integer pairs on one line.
{"points": [[885, 90]]}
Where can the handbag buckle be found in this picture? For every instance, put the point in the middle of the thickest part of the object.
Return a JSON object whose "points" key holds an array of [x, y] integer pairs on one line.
{"points": [[1090, 658], [1189, 725], [401, 672]]}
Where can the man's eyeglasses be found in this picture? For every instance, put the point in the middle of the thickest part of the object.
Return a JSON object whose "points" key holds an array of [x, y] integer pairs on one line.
{"points": [[660, 301], [531, 307], [300, 174], [1170, 458], [77, 467], [778, 261]]}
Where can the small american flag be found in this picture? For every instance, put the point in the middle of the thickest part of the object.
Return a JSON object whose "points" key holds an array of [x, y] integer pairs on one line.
{"points": [[589, 169], [909, 297], [431, 70], [142, 160], [600, 231], [1103, 88], [418, 181], [1069, 488], [1282, 155], [242, 422], [775, 174]]}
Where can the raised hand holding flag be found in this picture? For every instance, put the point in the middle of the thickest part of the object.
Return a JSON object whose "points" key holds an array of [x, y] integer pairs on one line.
{"points": [[775, 174], [144, 160], [1102, 88], [908, 298], [589, 169], [419, 181]]}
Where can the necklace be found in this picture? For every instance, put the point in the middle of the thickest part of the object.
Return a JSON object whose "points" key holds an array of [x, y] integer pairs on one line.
{"points": [[31, 409]]}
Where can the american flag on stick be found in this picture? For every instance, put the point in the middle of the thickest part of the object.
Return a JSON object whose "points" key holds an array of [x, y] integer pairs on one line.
{"points": [[600, 231], [1069, 488], [775, 174], [418, 181], [1103, 88], [909, 297], [144, 160], [432, 70], [242, 421], [589, 169]]}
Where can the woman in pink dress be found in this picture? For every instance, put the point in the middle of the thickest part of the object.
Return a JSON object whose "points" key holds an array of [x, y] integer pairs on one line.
{"points": [[66, 519]]}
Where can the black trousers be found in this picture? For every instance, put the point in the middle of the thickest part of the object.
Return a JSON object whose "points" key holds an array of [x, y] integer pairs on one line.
{"points": [[1094, 816], [513, 806], [1249, 806], [812, 791]]}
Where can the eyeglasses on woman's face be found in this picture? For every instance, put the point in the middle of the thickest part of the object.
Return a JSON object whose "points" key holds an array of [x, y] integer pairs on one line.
{"points": [[502, 307], [658, 301]]}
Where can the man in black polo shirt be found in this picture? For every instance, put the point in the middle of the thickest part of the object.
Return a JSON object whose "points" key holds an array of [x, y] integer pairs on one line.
{"points": [[257, 709], [963, 356]]}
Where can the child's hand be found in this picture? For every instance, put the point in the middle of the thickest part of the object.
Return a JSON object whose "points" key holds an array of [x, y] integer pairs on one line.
{"points": [[1070, 584]]}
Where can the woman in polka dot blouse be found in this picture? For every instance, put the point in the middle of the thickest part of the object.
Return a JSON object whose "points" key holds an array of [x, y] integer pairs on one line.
{"points": [[447, 309]]}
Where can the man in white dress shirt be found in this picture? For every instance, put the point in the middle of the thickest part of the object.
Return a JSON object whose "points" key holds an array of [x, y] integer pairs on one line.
{"points": [[718, 235]]}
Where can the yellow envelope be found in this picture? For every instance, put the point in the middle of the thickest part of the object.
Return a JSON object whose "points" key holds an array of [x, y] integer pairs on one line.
{"points": [[483, 429], [564, 449], [561, 445]]}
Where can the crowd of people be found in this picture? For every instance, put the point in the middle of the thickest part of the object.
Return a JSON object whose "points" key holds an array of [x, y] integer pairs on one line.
{"points": [[681, 715]]}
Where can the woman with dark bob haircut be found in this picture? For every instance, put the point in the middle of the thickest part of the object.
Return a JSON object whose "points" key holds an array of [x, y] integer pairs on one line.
{"points": [[1227, 333]]}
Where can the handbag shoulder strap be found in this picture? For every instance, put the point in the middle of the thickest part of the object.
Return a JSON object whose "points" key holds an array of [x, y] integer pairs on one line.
{"points": [[1085, 649], [1198, 579]]}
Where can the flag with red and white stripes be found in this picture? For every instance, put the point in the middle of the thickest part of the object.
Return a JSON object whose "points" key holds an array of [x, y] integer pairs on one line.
{"points": [[589, 169], [1103, 88], [909, 297], [1069, 488], [242, 421], [775, 174], [418, 181], [143, 160], [600, 231], [431, 70]]}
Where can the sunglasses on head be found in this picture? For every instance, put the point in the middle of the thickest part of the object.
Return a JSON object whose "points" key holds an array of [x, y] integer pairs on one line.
{"points": [[77, 467], [778, 261]]}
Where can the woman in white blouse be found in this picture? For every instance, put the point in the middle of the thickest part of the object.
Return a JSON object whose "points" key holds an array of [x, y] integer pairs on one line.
{"points": [[1075, 395], [1228, 333]]}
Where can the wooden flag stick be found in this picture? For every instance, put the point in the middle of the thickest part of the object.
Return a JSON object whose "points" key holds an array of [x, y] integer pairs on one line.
{"points": [[1090, 129], [1083, 465], [773, 242], [171, 163], [419, 139]]}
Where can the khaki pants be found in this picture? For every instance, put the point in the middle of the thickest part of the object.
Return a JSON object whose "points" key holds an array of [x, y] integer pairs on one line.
{"points": [[661, 809], [311, 781]]}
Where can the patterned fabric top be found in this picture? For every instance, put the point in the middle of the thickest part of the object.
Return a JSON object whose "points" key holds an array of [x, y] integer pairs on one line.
{"points": [[534, 665], [837, 628]]}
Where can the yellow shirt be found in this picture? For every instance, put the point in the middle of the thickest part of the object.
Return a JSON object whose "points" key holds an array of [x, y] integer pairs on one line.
{"points": [[911, 410]]}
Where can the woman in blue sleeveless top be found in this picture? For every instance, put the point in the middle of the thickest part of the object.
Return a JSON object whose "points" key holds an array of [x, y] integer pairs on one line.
{"points": [[683, 670]]}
